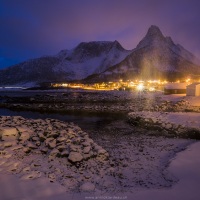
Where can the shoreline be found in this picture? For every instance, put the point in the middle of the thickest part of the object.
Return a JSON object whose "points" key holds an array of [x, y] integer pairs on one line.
{"points": [[113, 101], [180, 124]]}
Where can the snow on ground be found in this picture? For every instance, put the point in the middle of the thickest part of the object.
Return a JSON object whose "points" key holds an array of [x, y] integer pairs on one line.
{"points": [[187, 119], [137, 160], [141, 172], [193, 101], [173, 97], [175, 119], [185, 166], [31, 149]]}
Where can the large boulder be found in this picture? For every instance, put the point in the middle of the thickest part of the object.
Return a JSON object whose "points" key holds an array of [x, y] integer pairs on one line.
{"points": [[24, 136], [8, 133], [75, 157], [87, 187], [52, 144]]}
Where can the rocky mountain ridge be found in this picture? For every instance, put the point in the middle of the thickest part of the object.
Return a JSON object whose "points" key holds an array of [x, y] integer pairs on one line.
{"points": [[155, 56], [75, 64]]}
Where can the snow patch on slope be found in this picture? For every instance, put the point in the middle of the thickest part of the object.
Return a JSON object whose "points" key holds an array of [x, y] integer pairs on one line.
{"points": [[89, 64]]}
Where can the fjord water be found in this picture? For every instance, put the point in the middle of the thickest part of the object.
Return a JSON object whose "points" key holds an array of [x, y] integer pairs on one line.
{"points": [[84, 120]]}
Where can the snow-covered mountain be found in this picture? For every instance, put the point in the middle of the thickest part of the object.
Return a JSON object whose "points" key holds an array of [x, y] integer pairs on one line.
{"points": [[156, 56], [84, 60], [90, 58]]}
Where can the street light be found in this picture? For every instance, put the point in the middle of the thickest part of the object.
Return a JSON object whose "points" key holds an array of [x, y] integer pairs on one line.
{"points": [[140, 87]]}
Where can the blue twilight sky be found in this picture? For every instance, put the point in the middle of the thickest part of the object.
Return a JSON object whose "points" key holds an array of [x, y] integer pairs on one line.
{"points": [[33, 28]]}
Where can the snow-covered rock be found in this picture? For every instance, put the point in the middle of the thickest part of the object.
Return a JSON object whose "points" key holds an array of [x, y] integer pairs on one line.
{"points": [[75, 157], [38, 152], [24, 136], [87, 187], [31, 175], [8, 133], [185, 123]]}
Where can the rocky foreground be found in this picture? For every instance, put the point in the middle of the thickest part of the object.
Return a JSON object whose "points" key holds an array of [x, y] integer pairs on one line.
{"points": [[130, 158], [57, 150], [125, 158]]}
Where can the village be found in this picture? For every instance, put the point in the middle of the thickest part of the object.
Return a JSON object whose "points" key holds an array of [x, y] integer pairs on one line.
{"points": [[188, 86]]}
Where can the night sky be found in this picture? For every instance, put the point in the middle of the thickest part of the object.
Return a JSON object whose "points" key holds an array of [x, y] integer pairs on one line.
{"points": [[33, 28]]}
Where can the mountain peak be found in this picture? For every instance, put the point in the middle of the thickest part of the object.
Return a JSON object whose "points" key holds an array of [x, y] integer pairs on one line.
{"points": [[117, 45], [154, 31], [153, 37], [97, 44], [96, 48]]}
